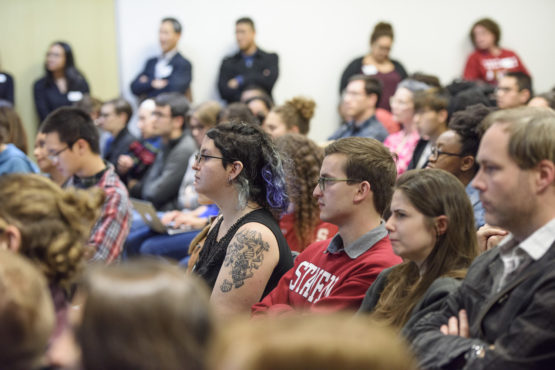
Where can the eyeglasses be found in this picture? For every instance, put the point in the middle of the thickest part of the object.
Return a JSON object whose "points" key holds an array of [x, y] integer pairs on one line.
{"points": [[436, 153], [199, 157], [323, 180], [54, 156]]}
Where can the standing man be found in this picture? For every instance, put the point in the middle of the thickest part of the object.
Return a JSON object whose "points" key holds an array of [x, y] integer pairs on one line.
{"points": [[169, 72], [502, 317], [72, 145], [251, 66], [360, 98], [354, 190]]}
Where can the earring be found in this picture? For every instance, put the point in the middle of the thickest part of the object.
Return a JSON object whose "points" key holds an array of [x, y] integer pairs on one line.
{"points": [[229, 180]]}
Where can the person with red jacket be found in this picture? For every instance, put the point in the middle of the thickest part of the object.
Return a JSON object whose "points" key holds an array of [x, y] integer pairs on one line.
{"points": [[354, 189]]}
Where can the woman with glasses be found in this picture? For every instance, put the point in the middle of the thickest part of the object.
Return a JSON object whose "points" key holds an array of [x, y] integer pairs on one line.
{"points": [[432, 228], [244, 254], [62, 85]]}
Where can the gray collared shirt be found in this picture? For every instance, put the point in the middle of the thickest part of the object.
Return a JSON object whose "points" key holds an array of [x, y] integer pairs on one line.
{"points": [[359, 246]]}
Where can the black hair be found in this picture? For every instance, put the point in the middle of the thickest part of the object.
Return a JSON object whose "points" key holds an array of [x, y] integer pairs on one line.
{"points": [[246, 20], [523, 81], [262, 179], [175, 24], [72, 124], [371, 85], [121, 106], [178, 103], [73, 76]]}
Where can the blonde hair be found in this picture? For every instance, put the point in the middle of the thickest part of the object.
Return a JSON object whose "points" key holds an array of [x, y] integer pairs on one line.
{"points": [[297, 112], [26, 313], [54, 223], [336, 341]]}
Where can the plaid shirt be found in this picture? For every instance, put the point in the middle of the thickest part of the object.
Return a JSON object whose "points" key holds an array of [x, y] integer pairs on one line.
{"points": [[112, 227], [143, 153]]}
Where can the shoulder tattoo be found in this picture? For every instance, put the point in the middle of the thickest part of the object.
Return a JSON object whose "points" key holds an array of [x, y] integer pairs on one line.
{"points": [[245, 254]]}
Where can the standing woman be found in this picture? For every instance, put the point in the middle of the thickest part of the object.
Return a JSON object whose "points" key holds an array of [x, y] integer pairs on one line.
{"points": [[377, 63], [245, 253], [301, 225], [432, 228], [62, 85], [489, 62]]}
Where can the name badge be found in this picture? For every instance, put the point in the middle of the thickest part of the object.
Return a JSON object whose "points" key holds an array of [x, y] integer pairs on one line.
{"points": [[74, 96], [3, 78], [166, 71], [369, 69]]}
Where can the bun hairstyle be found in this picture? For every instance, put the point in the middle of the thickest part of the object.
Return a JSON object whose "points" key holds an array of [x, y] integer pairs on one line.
{"points": [[54, 223], [381, 29], [297, 112]]}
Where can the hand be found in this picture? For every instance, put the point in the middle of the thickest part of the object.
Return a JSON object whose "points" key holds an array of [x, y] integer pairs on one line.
{"points": [[457, 326], [489, 237], [159, 84], [125, 163], [233, 83], [170, 217], [189, 220]]}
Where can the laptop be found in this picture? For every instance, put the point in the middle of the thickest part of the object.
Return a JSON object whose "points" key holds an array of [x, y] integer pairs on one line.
{"points": [[150, 217]]}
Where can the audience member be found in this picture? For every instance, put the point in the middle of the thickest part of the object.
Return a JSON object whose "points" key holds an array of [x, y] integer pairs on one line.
{"points": [[456, 149], [72, 145], [7, 87], [26, 314], [260, 106], [489, 62], [378, 64], [237, 113], [430, 117], [114, 117], [293, 116], [90, 105], [190, 213], [63, 83], [323, 342], [46, 166], [501, 315], [546, 100], [12, 133], [301, 225], [514, 90], [403, 143], [354, 189], [252, 91], [169, 72], [133, 165], [151, 314], [432, 228], [360, 98], [245, 253], [249, 66], [160, 185]]}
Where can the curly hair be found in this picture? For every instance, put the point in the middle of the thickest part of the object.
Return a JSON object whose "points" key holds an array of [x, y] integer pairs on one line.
{"points": [[54, 223], [297, 112], [304, 159], [262, 179]]}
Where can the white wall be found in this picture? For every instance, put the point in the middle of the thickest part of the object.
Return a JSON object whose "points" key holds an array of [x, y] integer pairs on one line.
{"points": [[316, 40]]}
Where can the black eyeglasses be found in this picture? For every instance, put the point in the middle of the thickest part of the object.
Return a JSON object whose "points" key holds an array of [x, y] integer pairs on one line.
{"points": [[436, 153], [323, 180], [54, 156], [199, 157]]}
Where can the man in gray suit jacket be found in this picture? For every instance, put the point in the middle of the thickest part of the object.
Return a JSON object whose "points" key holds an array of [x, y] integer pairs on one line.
{"points": [[503, 315]]}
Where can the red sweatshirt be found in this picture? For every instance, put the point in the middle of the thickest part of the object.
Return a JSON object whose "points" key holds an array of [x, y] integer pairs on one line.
{"points": [[321, 281], [481, 65]]}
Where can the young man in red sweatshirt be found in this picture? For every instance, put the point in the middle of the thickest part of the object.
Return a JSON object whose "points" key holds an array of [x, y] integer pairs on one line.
{"points": [[354, 189]]}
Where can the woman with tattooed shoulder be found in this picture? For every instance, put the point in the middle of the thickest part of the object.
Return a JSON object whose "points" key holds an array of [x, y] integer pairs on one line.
{"points": [[245, 253]]}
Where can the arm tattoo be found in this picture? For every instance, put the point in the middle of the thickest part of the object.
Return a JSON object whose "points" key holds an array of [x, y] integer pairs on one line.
{"points": [[244, 255]]}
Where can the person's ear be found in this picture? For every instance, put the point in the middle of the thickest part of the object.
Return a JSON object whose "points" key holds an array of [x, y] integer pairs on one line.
{"points": [[546, 175], [441, 223], [235, 169], [13, 237], [525, 96], [442, 115], [294, 129], [467, 162], [364, 190]]}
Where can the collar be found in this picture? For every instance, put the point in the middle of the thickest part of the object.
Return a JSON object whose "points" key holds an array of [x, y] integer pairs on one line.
{"points": [[359, 246], [169, 55], [536, 245], [87, 182]]}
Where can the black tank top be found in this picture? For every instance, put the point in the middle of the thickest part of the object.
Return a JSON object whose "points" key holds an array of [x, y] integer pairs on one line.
{"points": [[212, 255]]}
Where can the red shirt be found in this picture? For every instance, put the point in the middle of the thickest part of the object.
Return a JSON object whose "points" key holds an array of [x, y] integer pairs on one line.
{"points": [[482, 65], [325, 281], [322, 231]]}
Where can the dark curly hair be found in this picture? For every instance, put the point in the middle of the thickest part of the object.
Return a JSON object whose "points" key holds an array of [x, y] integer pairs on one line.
{"points": [[304, 159], [262, 179]]}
